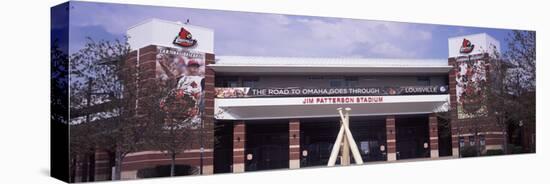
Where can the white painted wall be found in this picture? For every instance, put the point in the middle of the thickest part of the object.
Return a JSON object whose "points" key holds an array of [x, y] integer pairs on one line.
{"points": [[162, 33], [483, 43]]}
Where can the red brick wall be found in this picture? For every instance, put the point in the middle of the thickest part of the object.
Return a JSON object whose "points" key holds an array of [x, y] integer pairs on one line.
{"points": [[294, 143], [239, 141], [434, 140], [102, 166], [208, 114], [453, 110], [391, 138], [142, 160], [142, 80], [460, 127]]}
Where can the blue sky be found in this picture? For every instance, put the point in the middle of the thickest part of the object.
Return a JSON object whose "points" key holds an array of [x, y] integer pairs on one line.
{"points": [[257, 34]]}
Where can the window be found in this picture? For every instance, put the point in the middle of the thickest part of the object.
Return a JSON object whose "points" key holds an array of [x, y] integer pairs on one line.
{"points": [[472, 140], [315, 77], [227, 82], [336, 83], [482, 140], [232, 84], [423, 81], [365, 147], [250, 82], [352, 81], [461, 142]]}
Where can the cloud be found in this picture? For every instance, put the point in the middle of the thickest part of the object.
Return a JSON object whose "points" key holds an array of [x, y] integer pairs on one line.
{"points": [[79, 34], [241, 33], [367, 38]]}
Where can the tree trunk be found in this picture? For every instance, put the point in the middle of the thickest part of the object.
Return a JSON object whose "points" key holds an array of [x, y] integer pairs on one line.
{"points": [[84, 168], [504, 138], [118, 165], [478, 147], [173, 164], [73, 170]]}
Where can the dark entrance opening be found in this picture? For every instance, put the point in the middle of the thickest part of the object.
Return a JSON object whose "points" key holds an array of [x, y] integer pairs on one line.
{"points": [[370, 135], [412, 136], [266, 145], [316, 139], [318, 136], [444, 137], [223, 146]]}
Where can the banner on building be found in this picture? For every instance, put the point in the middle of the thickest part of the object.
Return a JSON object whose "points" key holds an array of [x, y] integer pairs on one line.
{"points": [[181, 74], [246, 92], [471, 74]]}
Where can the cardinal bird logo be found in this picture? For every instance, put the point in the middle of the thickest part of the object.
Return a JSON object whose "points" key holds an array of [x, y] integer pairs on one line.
{"points": [[185, 39], [466, 47]]}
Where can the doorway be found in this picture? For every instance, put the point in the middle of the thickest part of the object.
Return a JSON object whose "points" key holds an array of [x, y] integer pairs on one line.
{"points": [[412, 136], [223, 146], [266, 145], [318, 136]]}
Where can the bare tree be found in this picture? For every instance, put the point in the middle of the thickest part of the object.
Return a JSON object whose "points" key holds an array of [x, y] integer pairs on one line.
{"points": [[522, 55], [60, 61], [59, 99], [104, 98], [99, 79], [512, 81], [522, 81], [176, 133]]}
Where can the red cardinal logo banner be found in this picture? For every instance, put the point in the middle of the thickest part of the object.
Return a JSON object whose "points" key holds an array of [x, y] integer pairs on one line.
{"points": [[184, 39], [466, 47]]}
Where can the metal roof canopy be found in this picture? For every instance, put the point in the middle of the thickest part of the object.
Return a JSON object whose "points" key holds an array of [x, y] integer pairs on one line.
{"points": [[291, 107], [249, 65]]}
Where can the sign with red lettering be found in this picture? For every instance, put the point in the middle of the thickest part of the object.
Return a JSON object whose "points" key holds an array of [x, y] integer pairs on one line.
{"points": [[343, 100]]}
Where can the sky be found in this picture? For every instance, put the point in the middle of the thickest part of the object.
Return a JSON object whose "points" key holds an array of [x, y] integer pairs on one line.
{"points": [[260, 34]]}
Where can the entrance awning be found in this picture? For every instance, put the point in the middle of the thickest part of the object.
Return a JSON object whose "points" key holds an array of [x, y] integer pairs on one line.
{"points": [[315, 107]]}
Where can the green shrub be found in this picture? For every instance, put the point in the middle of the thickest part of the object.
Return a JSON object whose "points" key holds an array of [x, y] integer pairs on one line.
{"points": [[164, 170], [494, 152], [515, 149], [468, 151]]}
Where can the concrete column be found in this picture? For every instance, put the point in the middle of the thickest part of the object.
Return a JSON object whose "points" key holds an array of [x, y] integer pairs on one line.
{"points": [[294, 143], [239, 140], [390, 138], [434, 141]]}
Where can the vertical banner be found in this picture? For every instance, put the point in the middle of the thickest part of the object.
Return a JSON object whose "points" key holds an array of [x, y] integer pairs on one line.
{"points": [[181, 73], [470, 81]]}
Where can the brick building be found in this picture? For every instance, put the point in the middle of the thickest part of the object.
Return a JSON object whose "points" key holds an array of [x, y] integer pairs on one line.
{"points": [[280, 112]]}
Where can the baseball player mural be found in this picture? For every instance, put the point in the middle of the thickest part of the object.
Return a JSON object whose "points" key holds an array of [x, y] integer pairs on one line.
{"points": [[471, 55], [470, 78], [182, 73]]}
